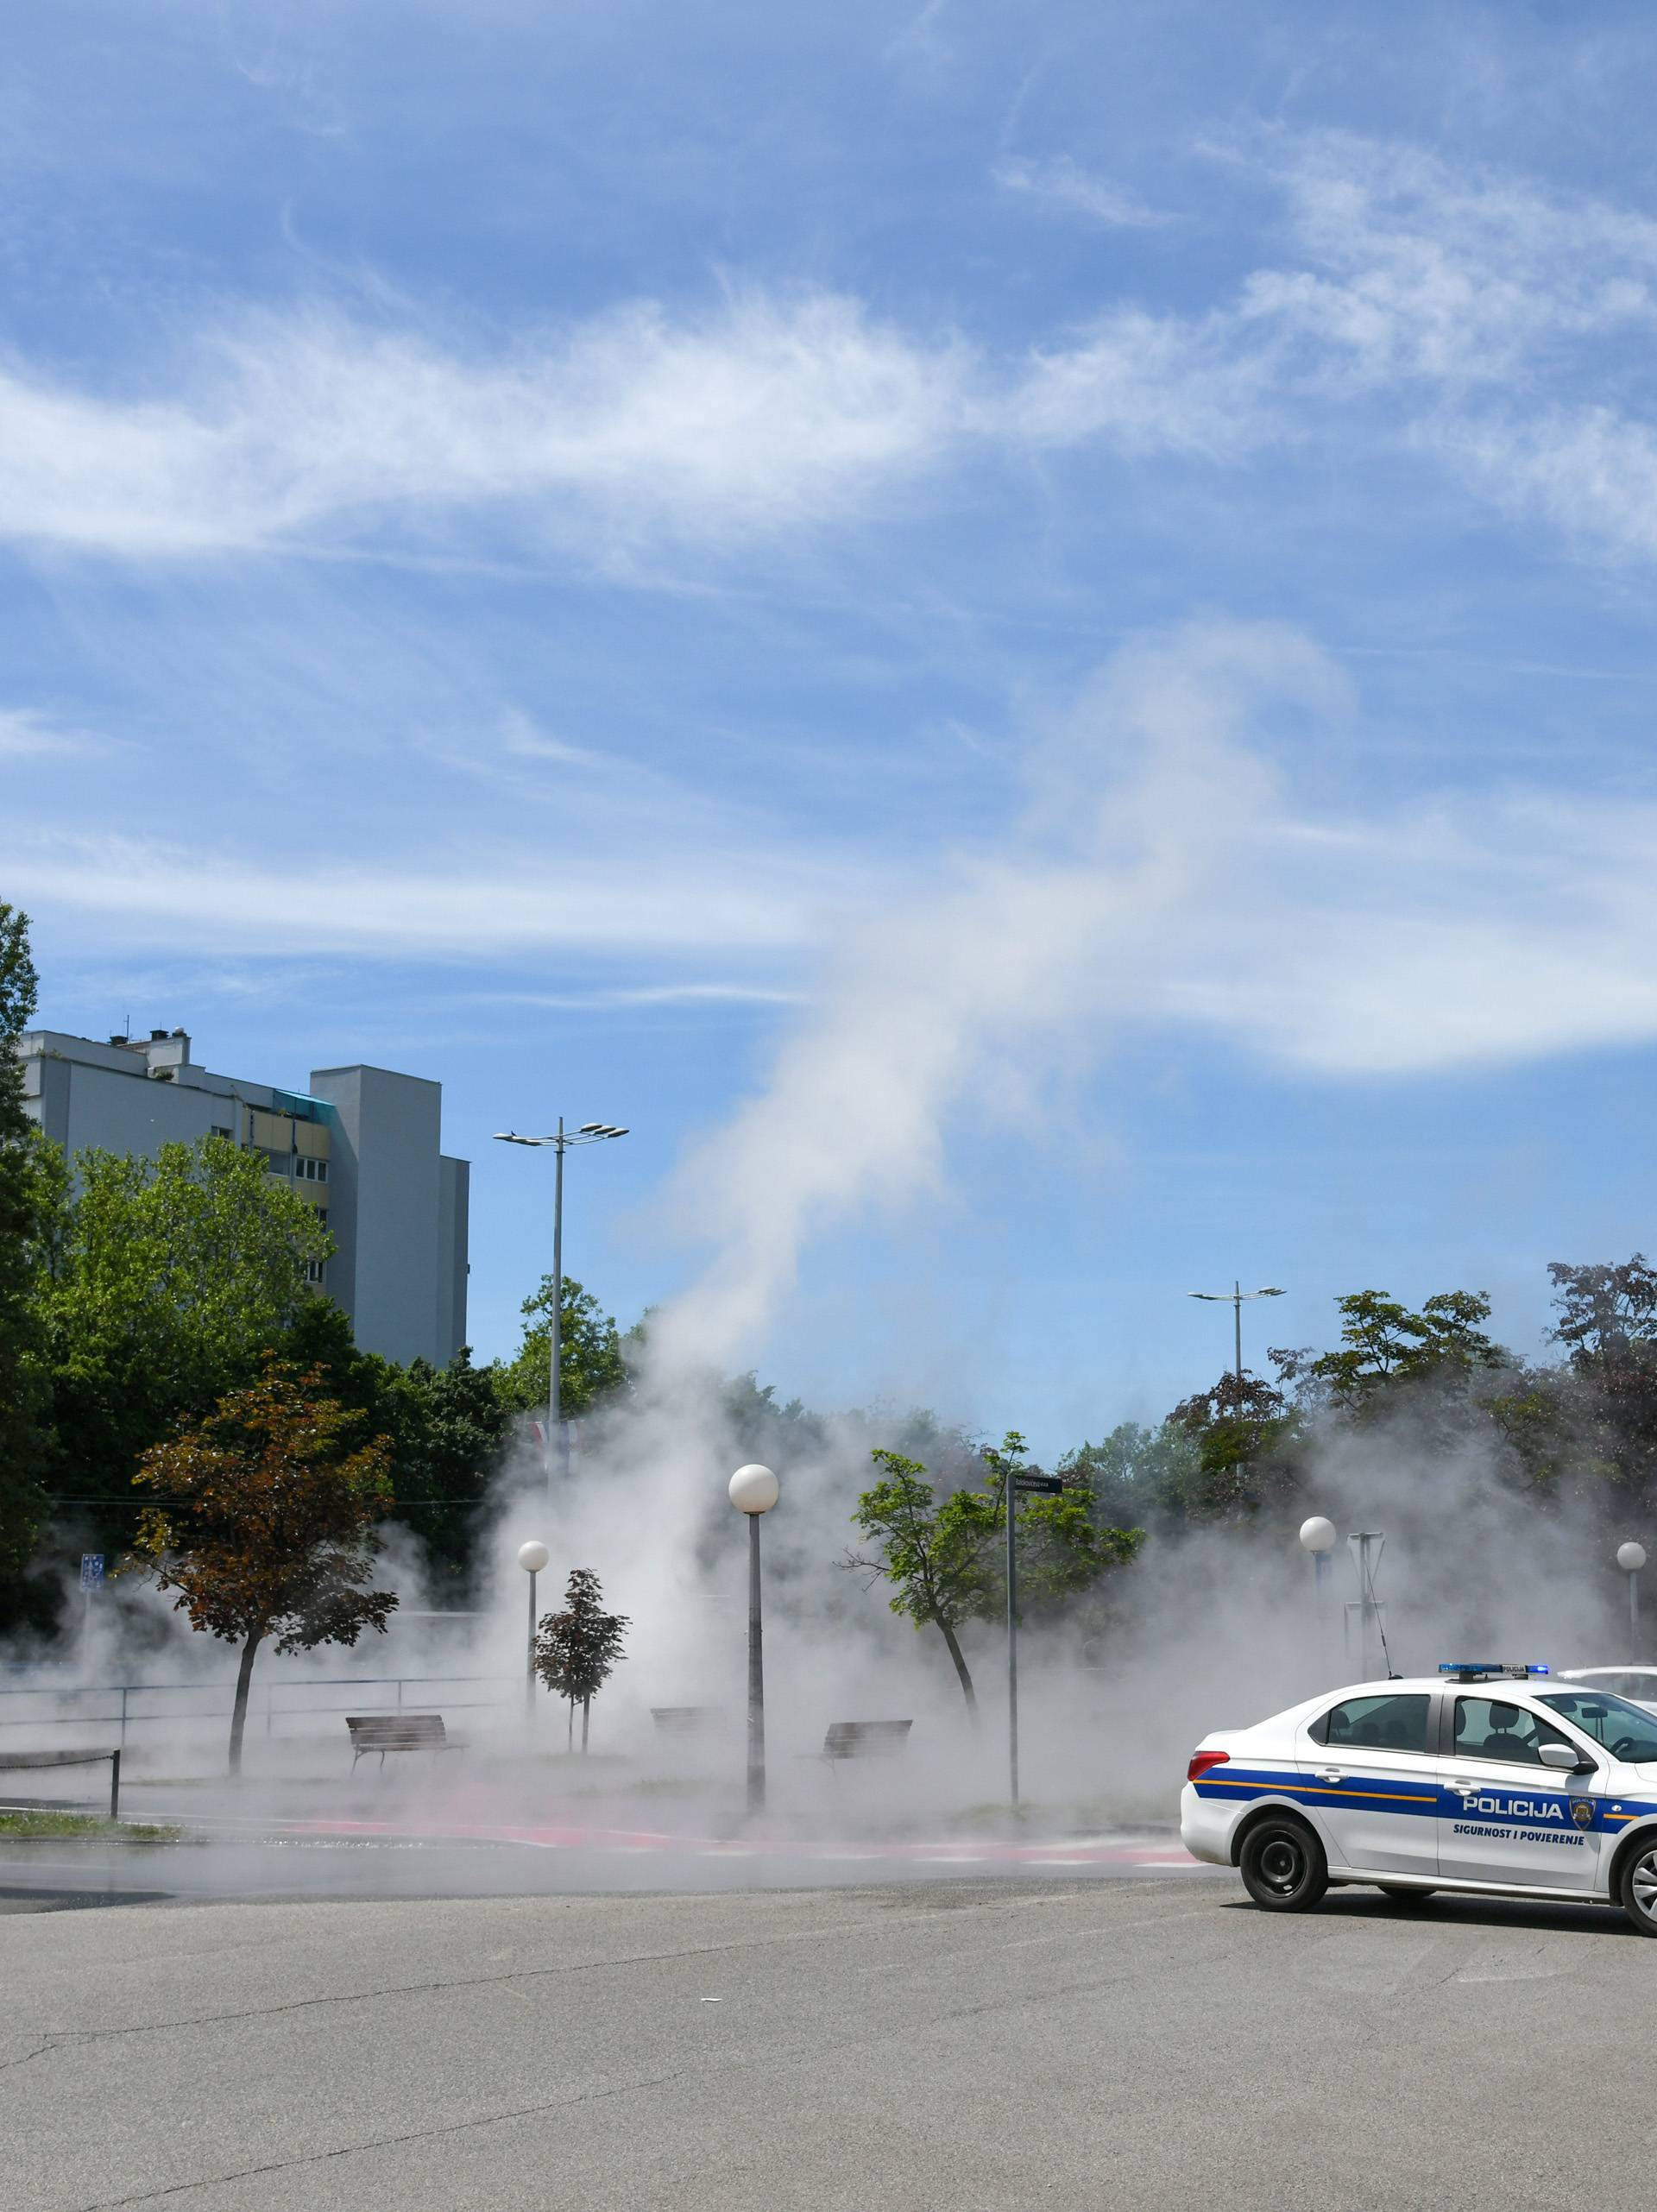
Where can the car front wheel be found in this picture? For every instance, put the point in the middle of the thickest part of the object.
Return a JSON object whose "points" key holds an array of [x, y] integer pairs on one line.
{"points": [[1637, 1886], [1282, 1866]]}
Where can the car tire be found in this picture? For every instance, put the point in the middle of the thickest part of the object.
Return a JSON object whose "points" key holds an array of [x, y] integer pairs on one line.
{"points": [[1402, 1894], [1282, 1866], [1636, 1886]]}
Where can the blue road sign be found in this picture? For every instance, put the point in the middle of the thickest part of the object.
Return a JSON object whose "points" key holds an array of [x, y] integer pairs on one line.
{"points": [[91, 1569]]}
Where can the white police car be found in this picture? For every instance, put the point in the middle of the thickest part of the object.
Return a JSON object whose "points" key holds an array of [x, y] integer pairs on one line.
{"points": [[1488, 1778]]}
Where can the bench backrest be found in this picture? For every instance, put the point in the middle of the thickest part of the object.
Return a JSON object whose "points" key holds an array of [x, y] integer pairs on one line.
{"points": [[866, 1739], [687, 1720], [394, 1732]]}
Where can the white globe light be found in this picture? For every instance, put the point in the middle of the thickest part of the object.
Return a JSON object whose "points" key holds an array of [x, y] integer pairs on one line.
{"points": [[1318, 1534], [1631, 1557], [533, 1556], [755, 1488]]}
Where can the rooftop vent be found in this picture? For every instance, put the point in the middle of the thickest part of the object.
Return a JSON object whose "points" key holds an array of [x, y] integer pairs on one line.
{"points": [[156, 1035]]}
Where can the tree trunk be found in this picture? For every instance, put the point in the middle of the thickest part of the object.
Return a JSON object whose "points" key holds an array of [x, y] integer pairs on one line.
{"points": [[961, 1669], [570, 1733], [586, 1714], [239, 1710]]}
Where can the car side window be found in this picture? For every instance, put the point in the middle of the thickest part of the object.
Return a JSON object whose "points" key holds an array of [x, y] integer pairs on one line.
{"points": [[1488, 1728], [1388, 1722]]}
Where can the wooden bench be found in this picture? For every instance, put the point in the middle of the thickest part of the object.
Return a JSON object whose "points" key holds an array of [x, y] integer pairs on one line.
{"points": [[688, 1720], [865, 1739], [384, 1732]]}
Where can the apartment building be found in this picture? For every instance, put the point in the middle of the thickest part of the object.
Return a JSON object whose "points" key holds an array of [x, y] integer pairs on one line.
{"points": [[361, 1144]]}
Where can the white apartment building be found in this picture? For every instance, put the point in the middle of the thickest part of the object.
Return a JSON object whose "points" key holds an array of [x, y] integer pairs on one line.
{"points": [[363, 1146]]}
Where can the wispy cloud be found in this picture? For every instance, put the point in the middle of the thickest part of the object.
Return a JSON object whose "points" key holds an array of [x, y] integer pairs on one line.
{"points": [[1065, 183], [26, 733], [1451, 308], [733, 903], [763, 415], [525, 741], [601, 999]]}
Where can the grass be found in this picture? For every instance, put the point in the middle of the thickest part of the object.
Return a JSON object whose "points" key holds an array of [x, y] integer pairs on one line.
{"points": [[93, 1826]]}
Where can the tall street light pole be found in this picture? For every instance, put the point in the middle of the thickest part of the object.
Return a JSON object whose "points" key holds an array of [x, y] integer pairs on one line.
{"points": [[1237, 1297], [590, 1132], [753, 1490]]}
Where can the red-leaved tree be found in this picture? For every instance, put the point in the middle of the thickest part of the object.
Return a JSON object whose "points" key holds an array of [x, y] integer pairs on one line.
{"points": [[264, 1521]]}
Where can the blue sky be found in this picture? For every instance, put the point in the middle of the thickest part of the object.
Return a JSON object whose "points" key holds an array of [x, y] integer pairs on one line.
{"points": [[1023, 635]]}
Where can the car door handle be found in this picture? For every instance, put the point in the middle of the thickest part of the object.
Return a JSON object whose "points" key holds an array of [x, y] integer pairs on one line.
{"points": [[1464, 1789], [1327, 1774]]}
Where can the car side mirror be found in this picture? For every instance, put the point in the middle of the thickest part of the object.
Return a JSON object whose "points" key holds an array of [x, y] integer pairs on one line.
{"points": [[1565, 1760]]}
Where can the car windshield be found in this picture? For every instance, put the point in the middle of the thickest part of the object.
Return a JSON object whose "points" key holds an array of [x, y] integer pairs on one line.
{"points": [[1627, 1731]]}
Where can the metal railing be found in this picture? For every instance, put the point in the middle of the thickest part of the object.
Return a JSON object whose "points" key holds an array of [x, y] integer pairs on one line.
{"points": [[124, 1706]]}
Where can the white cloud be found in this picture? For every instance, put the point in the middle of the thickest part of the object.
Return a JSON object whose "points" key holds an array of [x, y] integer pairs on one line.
{"points": [[1147, 384], [762, 415], [745, 903], [1452, 309], [1065, 183], [522, 737], [27, 733], [622, 998]]}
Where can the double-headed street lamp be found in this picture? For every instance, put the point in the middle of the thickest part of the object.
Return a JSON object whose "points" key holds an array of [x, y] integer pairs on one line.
{"points": [[590, 1132], [1236, 1298]]}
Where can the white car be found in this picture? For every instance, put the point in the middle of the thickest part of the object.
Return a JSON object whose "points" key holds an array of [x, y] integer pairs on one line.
{"points": [[1637, 1683], [1484, 1778]]}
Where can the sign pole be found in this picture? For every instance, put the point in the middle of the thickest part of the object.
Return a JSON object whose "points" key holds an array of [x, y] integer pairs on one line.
{"points": [[1030, 1485], [1011, 1503]]}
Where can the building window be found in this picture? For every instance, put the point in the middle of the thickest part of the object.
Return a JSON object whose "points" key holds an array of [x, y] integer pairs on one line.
{"points": [[217, 1131], [309, 1170], [315, 1271]]}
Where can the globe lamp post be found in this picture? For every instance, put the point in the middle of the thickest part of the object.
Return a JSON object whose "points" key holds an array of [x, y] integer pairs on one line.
{"points": [[1317, 1537], [1631, 1558], [753, 1490], [531, 1557]]}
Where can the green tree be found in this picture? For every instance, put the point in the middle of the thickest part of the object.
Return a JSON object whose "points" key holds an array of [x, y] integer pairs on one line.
{"points": [[579, 1649], [1063, 1549], [946, 1559], [31, 1187], [1608, 1324], [174, 1274], [590, 1365], [263, 1522], [1383, 1344], [933, 1554], [1138, 1475]]}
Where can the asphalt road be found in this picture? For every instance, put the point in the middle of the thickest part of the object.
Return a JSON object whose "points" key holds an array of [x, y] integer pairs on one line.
{"points": [[973, 2046]]}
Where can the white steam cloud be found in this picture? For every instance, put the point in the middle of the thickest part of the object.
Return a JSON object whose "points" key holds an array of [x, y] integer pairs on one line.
{"points": [[1166, 869]]}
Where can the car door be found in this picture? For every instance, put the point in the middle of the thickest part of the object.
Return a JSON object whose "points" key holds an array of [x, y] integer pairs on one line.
{"points": [[1506, 1817], [1370, 1779]]}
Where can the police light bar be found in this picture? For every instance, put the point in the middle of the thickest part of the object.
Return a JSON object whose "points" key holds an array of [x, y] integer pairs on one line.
{"points": [[1473, 1670]]}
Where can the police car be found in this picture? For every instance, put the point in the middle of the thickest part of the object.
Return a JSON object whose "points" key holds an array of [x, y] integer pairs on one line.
{"points": [[1487, 1778]]}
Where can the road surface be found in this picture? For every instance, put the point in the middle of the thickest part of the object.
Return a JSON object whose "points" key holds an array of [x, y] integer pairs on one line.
{"points": [[958, 2045]]}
